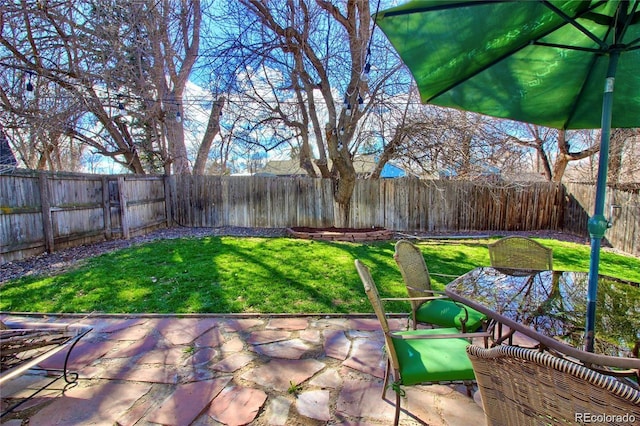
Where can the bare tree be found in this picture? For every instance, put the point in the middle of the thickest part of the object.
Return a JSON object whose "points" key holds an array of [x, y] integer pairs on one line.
{"points": [[126, 64], [305, 65], [624, 149], [553, 149], [46, 45]]}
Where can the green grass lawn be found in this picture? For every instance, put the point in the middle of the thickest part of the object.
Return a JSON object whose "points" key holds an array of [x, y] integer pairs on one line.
{"points": [[258, 275]]}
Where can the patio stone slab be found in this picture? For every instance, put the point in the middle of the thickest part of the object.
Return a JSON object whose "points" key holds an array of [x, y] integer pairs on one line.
{"points": [[211, 338], [148, 373], [438, 404], [125, 349], [113, 325], [238, 325], [185, 331], [314, 404], [336, 344], [84, 353], [361, 399], [22, 386], [237, 405], [234, 345], [267, 336], [233, 362], [278, 374], [310, 335], [171, 356], [370, 324], [277, 411], [367, 357], [329, 379], [28, 404], [90, 405], [203, 356], [291, 324], [289, 349], [135, 332], [187, 402]]}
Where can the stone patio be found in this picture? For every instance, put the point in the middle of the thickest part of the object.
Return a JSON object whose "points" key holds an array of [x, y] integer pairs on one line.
{"points": [[214, 370]]}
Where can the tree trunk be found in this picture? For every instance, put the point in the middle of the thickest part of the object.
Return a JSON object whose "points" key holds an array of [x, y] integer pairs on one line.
{"points": [[344, 178], [342, 192], [177, 147], [616, 149], [213, 128], [559, 167]]}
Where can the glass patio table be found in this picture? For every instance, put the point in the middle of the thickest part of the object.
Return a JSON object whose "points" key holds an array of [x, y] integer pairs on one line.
{"points": [[550, 307]]}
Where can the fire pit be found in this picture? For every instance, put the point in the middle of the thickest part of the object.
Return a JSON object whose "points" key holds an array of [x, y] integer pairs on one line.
{"points": [[341, 234]]}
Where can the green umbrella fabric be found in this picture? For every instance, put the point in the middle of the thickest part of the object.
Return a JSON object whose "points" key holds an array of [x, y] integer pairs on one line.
{"points": [[532, 61], [561, 64]]}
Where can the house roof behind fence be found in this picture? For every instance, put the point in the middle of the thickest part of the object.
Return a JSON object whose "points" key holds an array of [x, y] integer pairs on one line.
{"points": [[363, 165]]}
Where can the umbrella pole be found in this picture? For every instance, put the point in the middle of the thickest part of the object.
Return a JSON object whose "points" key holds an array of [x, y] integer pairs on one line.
{"points": [[597, 223]]}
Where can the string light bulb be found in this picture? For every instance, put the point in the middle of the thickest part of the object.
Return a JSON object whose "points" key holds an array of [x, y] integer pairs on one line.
{"points": [[30, 92], [121, 109], [365, 74], [347, 110]]}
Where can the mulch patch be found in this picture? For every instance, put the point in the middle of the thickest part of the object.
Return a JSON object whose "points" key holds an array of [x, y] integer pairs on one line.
{"points": [[341, 234]]}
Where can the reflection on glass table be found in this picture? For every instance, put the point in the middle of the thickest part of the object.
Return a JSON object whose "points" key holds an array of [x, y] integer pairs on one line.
{"points": [[550, 307]]}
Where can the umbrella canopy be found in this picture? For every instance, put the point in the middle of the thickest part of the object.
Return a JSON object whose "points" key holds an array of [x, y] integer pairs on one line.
{"points": [[534, 61], [552, 63]]}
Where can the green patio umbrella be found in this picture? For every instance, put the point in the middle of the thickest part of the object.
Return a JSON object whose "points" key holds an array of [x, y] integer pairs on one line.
{"points": [[553, 63]]}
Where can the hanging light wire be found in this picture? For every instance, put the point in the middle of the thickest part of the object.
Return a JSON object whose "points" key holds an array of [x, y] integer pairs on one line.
{"points": [[367, 58], [364, 75]]}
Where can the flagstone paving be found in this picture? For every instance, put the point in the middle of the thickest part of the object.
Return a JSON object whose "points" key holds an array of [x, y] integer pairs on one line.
{"points": [[230, 371]]}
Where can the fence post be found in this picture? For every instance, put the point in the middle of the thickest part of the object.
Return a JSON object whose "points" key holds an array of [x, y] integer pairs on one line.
{"points": [[106, 208], [45, 204], [168, 200], [124, 217]]}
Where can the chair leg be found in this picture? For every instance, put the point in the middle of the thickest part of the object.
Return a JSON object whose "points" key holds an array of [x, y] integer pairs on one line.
{"points": [[387, 371], [469, 386], [396, 419]]}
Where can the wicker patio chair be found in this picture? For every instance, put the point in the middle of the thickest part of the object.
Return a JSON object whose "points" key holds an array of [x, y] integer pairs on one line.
{"points": [[439, 310], [520, 253], [527, 387], [418, 357]]}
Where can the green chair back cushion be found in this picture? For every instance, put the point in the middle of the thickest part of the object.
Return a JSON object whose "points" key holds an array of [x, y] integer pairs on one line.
{"points": [[445, 313], [433, 360]]}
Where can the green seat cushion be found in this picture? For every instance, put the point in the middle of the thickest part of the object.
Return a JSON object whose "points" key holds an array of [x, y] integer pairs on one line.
{"points": [[445, 313], [433, 360]]}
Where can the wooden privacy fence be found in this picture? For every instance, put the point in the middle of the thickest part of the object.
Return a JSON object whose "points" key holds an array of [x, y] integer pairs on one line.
{"points": [[45, 212], [397, 204]]}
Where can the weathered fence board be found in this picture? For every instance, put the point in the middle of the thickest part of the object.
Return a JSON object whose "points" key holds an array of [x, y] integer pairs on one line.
{"points": [[624, 233], [43, 211]]}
